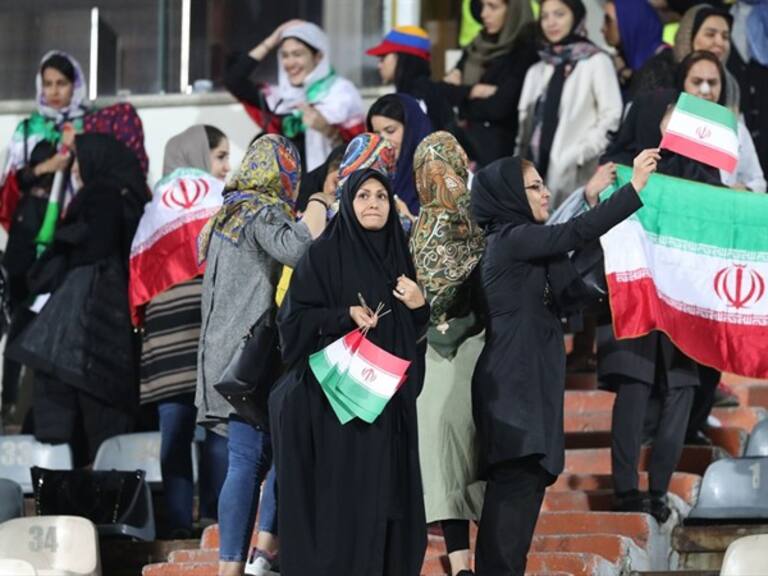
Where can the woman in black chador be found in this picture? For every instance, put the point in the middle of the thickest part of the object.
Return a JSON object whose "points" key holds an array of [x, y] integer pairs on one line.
{"points": [[519, 380], [350, 495]]}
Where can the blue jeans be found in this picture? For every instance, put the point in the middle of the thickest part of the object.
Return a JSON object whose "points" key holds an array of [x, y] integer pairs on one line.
{"points": [[177, 427], [250, 458]]}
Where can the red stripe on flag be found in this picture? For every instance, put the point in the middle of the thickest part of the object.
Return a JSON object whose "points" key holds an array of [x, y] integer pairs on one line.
{"points": [[169, 261], [382, 359], [698, 151], [637, 310]]}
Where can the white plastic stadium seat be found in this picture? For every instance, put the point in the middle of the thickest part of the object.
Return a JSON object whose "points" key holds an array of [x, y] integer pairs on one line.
{"points": [[19, 453], [53, 545], [12, 567], [746, 556], [138, 451]]}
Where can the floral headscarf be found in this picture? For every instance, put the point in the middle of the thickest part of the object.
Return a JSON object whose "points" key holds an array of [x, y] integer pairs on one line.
{"points": [[446, 242], [367, 150], [268, 176], [76, 107]]}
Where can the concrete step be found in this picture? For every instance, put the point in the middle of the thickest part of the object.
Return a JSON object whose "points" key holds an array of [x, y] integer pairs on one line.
{"points": [[694, 459], [190, 569], [194, 556], [685, 485], [578, 501], [745, 417], [638, 527], [618, 550], [753, 394], [578, 564], [730, 438], [588, 401]]}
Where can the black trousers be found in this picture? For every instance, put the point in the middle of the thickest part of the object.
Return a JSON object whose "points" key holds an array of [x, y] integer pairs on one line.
{"points": [[65, 414], [513, 497], [629, 412], [703, 399]]}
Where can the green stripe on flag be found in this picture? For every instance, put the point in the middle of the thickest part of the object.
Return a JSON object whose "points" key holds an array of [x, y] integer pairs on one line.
{"points": [[707, 111], [701, 218]]}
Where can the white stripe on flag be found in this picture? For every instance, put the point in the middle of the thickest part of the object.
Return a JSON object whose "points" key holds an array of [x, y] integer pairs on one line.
{"points": [[376, 380], [704, 132], [712, 284]]}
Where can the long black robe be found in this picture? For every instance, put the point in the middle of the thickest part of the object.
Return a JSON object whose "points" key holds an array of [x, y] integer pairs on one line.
{"points": [[519, 380], [350, 496]]}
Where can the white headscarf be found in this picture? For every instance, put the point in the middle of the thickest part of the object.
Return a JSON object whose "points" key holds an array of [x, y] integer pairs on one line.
{"points": [[77, 106], [287, 97], [337, 100]]}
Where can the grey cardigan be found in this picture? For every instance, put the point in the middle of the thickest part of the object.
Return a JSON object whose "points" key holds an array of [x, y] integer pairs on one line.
{"points": [[238, 287]]}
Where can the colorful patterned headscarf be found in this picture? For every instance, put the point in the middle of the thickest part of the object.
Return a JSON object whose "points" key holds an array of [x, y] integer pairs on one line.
{"points": [[446, 243], [367, 150], [268, 176]]}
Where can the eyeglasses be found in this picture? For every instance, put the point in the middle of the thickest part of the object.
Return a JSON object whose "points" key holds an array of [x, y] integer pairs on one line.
{"points": [[539, 187]]}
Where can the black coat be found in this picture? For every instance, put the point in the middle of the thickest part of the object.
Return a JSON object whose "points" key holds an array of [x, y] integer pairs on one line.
{"points": [[518, 383], [83, 335], [753, 81], [491, 123], [351, 500]]}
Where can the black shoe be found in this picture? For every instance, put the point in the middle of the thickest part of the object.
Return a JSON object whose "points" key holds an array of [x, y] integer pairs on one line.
{"points": [[632, 501], [466, 573], [659, 508]]}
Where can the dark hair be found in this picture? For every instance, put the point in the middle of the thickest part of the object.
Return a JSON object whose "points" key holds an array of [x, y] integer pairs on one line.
{"points": [[410, 68], [312, 49], [693, 58], [214, 135], [61, 64], [388, 106]]}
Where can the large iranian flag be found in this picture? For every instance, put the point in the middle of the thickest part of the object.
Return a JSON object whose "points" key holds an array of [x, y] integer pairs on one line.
{"points": [[704, 131], [693, 263], [164, 249]]}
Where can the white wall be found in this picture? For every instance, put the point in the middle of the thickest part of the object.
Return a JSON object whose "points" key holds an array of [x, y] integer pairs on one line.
{"points": [[165, 116]]}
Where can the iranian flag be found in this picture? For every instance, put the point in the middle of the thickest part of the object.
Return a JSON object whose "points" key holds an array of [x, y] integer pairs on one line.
{"points": [[693, 263], [164, 249], [358, 377], [704, 131]]}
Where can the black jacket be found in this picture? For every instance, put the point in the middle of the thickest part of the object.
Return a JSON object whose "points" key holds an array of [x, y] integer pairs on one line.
{"points": [[491, 123], [518, 384]]}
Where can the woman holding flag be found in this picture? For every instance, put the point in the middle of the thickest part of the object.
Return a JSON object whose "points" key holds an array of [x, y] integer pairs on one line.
{"points": [[81, 344], [351, 496], [519, 380], [165, 293]]}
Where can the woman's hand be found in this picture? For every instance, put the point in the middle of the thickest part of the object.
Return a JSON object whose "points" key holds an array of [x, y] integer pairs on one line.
{"points": [[402, 208], [603, 177], [271, 41], [53, 164], [482, 91], [314, 119], [453, 77], [643, 166], [363, 317], [409, 293]]}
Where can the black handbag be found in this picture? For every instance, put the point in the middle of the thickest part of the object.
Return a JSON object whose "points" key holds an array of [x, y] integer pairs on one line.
{"points": [[103, 496], [254, 368], [589, 264]]}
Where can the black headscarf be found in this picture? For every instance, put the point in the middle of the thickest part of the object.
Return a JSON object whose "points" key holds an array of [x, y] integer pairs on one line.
{"points": [[112, 180], [564, 55], [345, 260], [499, 200], [314, 180], [640, 128]]}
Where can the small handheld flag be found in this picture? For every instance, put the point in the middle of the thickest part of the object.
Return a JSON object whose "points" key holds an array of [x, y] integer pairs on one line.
{"points": [[703, 131]]}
